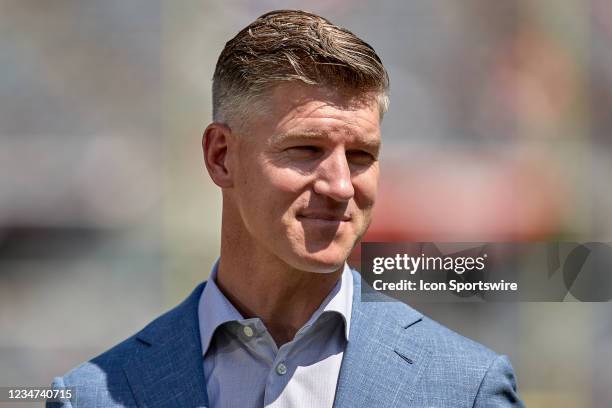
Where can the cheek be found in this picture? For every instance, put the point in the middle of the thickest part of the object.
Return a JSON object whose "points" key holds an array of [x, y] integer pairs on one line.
{"points": [[271, 194], [366, 188], [285, 180]]}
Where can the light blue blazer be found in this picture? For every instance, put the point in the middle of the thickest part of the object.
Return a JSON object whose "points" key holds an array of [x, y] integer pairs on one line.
{"points": [[395, 357]]}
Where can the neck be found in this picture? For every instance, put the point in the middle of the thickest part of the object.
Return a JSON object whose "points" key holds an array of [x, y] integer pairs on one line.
{"points": [[259, 284]]}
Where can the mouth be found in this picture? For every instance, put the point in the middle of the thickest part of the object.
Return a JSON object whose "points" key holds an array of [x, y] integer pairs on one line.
{"points": [[324, 217]]}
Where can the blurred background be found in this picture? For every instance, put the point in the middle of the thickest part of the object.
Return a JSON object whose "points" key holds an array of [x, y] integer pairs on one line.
{"points": [[500, 129]]}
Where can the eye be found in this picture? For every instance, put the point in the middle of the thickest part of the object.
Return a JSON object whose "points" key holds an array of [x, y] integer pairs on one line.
{"points": [[360, 157], [304, 152]]}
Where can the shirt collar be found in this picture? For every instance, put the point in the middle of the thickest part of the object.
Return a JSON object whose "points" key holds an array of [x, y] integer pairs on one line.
{"points": [[214, 308], [339, 300]]}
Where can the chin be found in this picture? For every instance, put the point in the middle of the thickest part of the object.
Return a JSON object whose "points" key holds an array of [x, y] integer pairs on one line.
{"points": [[319, 255], [320, 262]]}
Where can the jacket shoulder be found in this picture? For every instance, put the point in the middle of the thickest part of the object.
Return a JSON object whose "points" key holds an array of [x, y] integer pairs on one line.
{"points": [[438, 338], [468, 369], [446, 341], [102, 381]]}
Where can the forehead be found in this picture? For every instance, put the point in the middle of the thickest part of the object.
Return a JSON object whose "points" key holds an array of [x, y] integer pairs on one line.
{"points": [[296, 110]]}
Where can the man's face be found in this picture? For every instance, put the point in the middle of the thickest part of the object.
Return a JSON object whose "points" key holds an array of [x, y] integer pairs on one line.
{"points": [[306, 174]]}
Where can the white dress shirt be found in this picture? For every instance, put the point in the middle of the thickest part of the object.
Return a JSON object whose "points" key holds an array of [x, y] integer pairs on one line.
{"points": [[244, 368]]}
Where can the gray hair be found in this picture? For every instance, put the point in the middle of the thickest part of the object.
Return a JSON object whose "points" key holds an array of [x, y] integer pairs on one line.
{"points": [[293, 45]]}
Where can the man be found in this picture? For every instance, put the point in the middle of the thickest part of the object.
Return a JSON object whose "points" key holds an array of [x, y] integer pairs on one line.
{"points": [[294, 146]]}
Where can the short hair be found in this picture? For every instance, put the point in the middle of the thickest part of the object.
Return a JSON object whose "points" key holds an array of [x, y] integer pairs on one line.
{"points": [[294, 45]]}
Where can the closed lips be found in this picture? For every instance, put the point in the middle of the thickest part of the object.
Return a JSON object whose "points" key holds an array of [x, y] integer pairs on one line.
{"points": [[325, 216]]}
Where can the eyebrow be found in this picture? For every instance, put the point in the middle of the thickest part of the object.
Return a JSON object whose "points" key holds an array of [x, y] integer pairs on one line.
{"points": [[317, 134], [305, 134]]}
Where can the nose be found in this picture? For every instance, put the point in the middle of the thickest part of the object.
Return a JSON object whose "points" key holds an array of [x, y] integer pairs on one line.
{"points": [[334, 177]]}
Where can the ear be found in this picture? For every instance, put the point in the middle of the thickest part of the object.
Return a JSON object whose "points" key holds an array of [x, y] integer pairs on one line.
{"points": [[215, 145]]}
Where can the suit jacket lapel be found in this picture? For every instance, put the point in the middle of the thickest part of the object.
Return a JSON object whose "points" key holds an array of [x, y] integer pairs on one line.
{"points": [[382, 361], [168, 371]]}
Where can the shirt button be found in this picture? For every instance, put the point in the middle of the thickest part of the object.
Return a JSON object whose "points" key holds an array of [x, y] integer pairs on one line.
{"points": [[247, 331], [281, 369]]}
